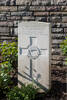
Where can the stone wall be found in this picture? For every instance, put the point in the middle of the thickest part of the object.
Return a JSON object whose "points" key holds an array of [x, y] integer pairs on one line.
{"points": [[53, 11]]}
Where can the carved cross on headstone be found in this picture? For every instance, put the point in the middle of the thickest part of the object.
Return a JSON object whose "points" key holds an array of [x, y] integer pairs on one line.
{"points": [[34, 53]]}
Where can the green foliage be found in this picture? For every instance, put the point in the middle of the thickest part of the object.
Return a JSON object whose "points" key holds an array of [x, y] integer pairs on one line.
{"points": [[24, 93], [29, 90], [15, 94], [5, 79], [9, 52], [63, 47]]}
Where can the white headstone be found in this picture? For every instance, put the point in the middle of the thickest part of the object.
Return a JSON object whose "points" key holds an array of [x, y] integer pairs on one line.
{"points": [[34, 53]]}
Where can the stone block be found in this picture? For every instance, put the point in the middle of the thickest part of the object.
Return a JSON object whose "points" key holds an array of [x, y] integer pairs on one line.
{"points": [[3, 23], [28, 18], [59, 2], [22, 8], [3, 17], [4, 30], [55, 25], [8, 8], [53, 8], [57, 29], [64, 25], [23, 2], [7, 2], [3, 2], [23, 13], [65, 30], [32, 2], [41, 2], [34, 54], [41, 14], [64, 19], [37, 8], [64, 8], [13, 18], [60, 14], [56, 19]]}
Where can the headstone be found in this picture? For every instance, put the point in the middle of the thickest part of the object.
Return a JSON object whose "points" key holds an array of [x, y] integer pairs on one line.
{"points": [[34, 53]]}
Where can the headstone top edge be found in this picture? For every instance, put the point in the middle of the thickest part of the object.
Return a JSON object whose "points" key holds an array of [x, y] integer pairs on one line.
{"points": [[34, 22]]}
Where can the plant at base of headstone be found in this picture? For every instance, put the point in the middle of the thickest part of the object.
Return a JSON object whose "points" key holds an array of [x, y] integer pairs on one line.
{"points": [[5, 79], [8, 59], [24, 93], [63, 47]]}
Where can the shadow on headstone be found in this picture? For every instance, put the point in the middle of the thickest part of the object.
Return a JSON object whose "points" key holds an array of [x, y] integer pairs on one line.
{"points": [[28, 77]]}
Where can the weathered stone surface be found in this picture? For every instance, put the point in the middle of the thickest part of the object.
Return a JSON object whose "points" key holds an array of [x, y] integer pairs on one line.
{"points": [[3, 2], [23, 2], [4, 30], [57, 29], [59, 2], [61, 14], [53, 8], [41, 2], [12, 2], [34, 66], [64, 19], [28, 18], [3, 23], [3, 17], [7, 38], [64, 24], [37, 8], [47, 8], [7, 2], [24, 13], [65, 30], [21, 8], [57, 35], [63, 8], [56, 19], [43, 19], [55, 25], [8, 23], [13, 18], [41, 14], [32, 2], [8, 8], [56, 42]]}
